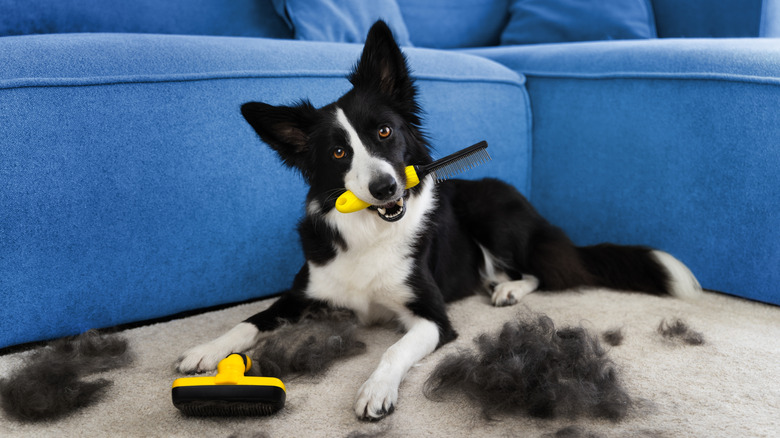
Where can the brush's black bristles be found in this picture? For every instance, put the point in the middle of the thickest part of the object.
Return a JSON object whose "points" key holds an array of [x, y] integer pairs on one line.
{"points": [[459, 162], [202, 408], [228, 400]]}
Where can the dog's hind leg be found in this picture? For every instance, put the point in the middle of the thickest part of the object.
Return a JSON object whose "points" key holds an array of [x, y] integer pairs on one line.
{"points": [[510, 292]]}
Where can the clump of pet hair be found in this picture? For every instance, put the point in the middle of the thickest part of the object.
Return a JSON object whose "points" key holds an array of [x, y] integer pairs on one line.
{"points": [[532, 368], [613, 337], [571, 432], [309, 346], [678, 331], [49, 384], [260, 434]]}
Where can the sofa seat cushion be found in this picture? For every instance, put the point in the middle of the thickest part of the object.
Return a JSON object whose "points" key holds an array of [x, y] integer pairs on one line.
{"points": [[672, 58], [132, 187]]}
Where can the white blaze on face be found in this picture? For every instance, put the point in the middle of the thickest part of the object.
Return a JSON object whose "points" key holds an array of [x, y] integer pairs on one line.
{"points": [[364, 166]]}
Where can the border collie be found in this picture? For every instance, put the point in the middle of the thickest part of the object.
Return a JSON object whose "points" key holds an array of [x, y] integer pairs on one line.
{"points": [[413, 250]]}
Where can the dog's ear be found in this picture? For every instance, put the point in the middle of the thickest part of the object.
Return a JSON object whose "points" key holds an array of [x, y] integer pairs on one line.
{"points": [[382, 66], [285, 128]]}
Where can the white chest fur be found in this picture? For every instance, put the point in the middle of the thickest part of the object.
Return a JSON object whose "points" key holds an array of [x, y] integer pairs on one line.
{"points": [[370, 276]]}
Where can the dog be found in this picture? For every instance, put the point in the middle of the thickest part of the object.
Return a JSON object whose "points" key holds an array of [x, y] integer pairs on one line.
{"points": [[413, 250]]}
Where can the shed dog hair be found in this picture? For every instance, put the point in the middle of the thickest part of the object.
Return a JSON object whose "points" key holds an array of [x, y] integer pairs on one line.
{"points": [[50, 382], [532, 368]]}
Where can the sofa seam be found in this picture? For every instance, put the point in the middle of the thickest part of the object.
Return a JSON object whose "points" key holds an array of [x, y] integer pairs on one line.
{"points": [[66, 82], [765, 80]]}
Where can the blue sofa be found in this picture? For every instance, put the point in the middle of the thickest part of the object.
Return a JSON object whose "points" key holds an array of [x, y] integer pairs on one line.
{"points": [[131, 188]]}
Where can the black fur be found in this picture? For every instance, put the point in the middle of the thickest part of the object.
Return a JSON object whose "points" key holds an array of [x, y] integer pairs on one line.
{"points": [[678, 331], [50, 383], [532, 368], [308, 347]]}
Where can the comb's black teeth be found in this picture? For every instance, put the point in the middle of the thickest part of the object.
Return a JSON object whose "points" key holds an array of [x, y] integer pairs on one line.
{"points": [[452, 165]]}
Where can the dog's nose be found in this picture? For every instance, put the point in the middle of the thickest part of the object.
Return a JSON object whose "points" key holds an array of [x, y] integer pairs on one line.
{"points": [[382, 187]]}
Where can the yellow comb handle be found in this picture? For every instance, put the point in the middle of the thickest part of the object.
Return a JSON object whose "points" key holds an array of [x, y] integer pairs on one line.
{"points": [[411, 177], [231, 369], [349, 203]]}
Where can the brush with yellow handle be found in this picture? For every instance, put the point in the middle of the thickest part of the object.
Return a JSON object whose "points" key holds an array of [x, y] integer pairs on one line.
{"points": [[230, 392], [441, 169]]}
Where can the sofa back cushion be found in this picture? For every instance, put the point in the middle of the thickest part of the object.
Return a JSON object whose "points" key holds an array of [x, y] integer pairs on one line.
{"points": [[553, 21], [721, 18], [193, 17], [448, 24], [341, 21]]}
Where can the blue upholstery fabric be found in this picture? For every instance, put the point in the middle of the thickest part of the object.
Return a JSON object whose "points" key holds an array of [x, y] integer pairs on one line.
{"points": [[770, 19], [132, 188], [449, 24], [669, 143], [341, 21], [193, 17], [555, 21], [707, 18]]}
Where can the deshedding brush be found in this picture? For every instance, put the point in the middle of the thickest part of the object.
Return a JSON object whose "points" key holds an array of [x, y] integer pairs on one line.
{"points": [[230, 392], [441, 169]]}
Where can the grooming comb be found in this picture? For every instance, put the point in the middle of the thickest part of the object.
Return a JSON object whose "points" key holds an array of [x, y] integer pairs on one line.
{"points": [[441, 169], [230, 392]]}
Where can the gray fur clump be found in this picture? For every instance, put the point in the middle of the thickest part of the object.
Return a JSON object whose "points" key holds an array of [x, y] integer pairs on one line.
{"points": [[532, 368], [613, 337], [309, 346], [678, 331], [50, 384]]}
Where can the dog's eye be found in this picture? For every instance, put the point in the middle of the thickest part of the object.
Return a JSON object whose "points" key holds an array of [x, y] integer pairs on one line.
{"points": [[385, 132], [339, 153]]}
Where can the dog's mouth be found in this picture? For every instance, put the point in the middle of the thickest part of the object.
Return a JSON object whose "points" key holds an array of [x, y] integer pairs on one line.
{"points": [[392, 211]]}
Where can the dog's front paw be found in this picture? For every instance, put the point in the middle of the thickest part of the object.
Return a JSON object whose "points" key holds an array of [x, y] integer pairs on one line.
{"points": [[202, 358], [206, 357], [376, 399]]}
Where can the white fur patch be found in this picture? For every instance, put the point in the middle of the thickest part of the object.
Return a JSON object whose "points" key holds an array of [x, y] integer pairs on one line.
{"points": [[379, 394], [683, 284], [369, 277], [502, 289], [510, 292], [493, 269], [364, 166], [206, 357]]}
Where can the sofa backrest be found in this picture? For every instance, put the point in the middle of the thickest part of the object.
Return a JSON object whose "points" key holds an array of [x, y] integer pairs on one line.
{"points": [[256, 18], [717, 18], [475, 23], [431, 23]]}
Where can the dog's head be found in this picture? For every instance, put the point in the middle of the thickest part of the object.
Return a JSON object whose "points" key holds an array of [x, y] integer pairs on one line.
{"points": [[362, 142]]}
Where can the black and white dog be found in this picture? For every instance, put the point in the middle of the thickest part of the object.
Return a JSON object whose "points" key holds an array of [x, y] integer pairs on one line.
{"points": [[413, 250]]}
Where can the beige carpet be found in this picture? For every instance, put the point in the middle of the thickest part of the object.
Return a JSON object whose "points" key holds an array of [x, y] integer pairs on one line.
{"points": [[728, 387]]}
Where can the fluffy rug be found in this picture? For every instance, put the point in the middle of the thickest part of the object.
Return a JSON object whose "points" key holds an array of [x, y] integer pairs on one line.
{"points": [[706, 368]]}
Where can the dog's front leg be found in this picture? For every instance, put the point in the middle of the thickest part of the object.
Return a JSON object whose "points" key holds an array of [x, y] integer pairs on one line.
{"points": [[289, 307], [377, 397]]}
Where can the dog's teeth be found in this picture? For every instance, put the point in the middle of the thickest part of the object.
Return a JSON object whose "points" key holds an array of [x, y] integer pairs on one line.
{"points": [[381, 211], [400, 202]]}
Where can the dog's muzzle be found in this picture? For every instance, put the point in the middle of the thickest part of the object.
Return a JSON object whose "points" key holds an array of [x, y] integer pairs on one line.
{"points": [[392, 211]]}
